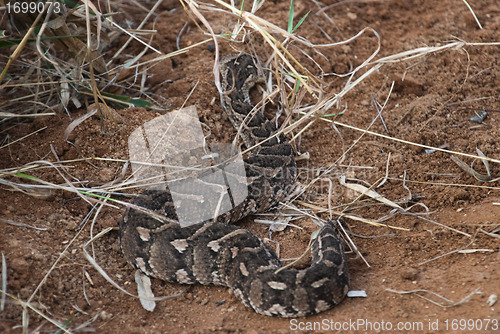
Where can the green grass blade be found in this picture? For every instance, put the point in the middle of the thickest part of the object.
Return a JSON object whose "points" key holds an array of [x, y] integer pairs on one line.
{"points": [[129, 100], [26, 176], [65, 325], [290, 18], [300, 22]]}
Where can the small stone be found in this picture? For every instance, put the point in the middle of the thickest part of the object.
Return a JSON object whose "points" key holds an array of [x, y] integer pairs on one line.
{"points": [[409, 274], [352, 16], [105, 315], [19, 265], [115, 247], [460, 195], [492, 299], [221, 302], [106, 174], [53, 217], [71, 225], [36, 255]]}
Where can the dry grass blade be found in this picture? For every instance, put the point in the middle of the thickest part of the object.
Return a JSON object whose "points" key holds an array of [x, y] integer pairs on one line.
{"points": [[304, 253], [364, 191], [491, 234], [11, 222], [265, 28], [54, 265], [448, 253], [21, 45], [12, 115], [411, 143], [4, 282], [22, 138], [193, 6], [475, 250], [352, 217], [144, 21], [469, 170], [28, 305], [73, 42], [473, 14], [77, 122], [447, 184], [106, 276], [97, 266], [442, 225], [446, 302]]}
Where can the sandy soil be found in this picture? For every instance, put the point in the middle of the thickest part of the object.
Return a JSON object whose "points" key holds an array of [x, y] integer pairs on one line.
{"points": [[433, 99]]}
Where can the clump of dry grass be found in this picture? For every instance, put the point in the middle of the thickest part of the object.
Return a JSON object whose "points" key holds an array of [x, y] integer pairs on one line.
{"points": [[59, 59]]}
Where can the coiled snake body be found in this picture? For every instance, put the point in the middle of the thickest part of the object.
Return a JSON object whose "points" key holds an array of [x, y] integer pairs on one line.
{"points": [[215, 252]]}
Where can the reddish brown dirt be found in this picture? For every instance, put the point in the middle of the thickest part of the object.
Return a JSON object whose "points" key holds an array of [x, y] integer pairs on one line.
{"points": [[431, 106]]}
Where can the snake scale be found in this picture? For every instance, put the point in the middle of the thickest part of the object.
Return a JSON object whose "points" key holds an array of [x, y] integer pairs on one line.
{"points": [[219, 253]]}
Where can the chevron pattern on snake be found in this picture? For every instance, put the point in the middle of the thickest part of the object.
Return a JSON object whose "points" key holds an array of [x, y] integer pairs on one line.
{"points": [[217, 252]]}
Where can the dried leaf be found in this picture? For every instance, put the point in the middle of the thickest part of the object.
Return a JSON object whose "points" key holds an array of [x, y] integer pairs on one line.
{"points": [[368, 192], [77, 122], [469, 170], [144, 291], [485, 162], [357, 293]]}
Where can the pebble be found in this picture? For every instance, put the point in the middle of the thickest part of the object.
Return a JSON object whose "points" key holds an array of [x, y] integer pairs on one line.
{"points": [[53, 217], [492, 299], [106, 174], [71, 225], [352, 16], [19, 265], [409, 274], [105, 315]]}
